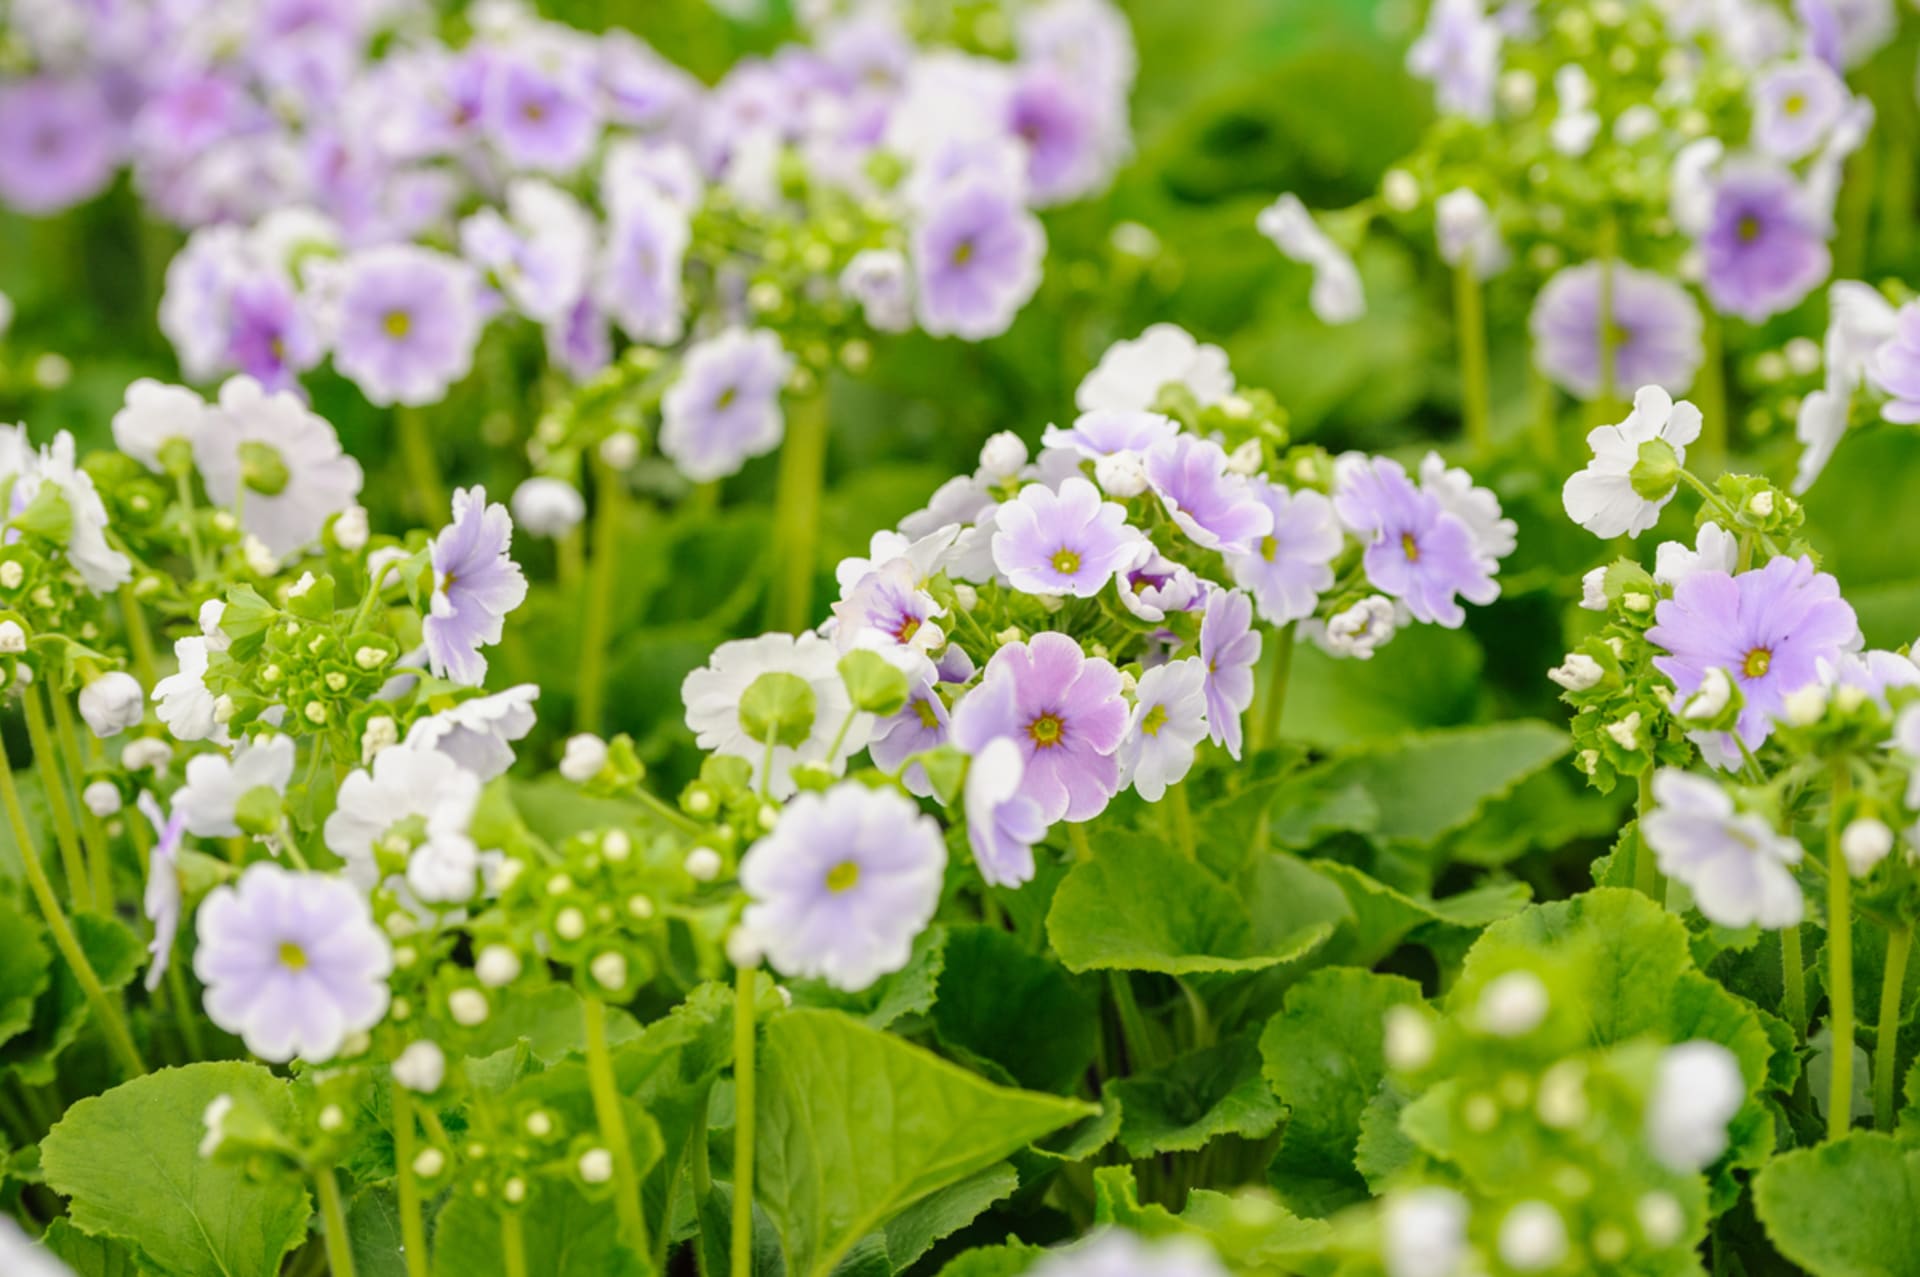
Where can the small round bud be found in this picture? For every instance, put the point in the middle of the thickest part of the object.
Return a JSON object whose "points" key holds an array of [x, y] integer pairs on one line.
{"points": [[703, 864], [1532, 1237], [585, 755], [570, 924], [421, 1067], [1409, 1042], [596, 1166], [101, 798], [497, 966], [616, 846], [13, 639], [112, 703], [548, 507], [1121, 474], [332, 1119], [1865, 843], [609, 970], [468, 1007], [429, 1162], [1512, 1005], [743, 951], [539, 1124], [620, 450]]}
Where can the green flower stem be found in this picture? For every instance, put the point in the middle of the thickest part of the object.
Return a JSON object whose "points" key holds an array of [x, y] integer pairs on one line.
{"points": [[1646, 867], [333, 1218], [1082, 849], [513, 1243], [1279, 670], [1855, 211], [1840, 961], [796, 512], [1142, 1041], [139, 637], [613, 1127], [105, 1010], [1793, 979], [46, 762], [1606, 403], [741, 1249], [413, 1228], [1543, 412], [1470, 324], [428, 490], [1892, 985], [92, 835], [1182, 820], [183, 488], [1710, 394], [609, 495]]}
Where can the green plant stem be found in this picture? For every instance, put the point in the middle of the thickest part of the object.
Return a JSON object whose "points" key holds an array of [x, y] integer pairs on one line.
{"points": [[1855, 211], [513, 1243], [183, 489], [428, 491], [105, 1010], [413, 1228], [139, 637], [609, 496], [333, 1218], [1077, 835], [1134, 1029], [46, 762], [1543, 413], [1646, 867], [1182, 820], [1279, 670], [1470, 323], [1840, 961], [613, 1127], [93, 836], [796, 512], [183, 1009], [1710, 394], [1605, 404], [1892, 986], [741, 1250], [1793, 979]]}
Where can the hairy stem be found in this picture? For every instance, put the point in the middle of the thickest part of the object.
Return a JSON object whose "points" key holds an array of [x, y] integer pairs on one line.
{"points": [[413, 1227], [741, 1250], [1892, 986], [333, 1218], [1840, 961], [613, 1127], [609, 494]]}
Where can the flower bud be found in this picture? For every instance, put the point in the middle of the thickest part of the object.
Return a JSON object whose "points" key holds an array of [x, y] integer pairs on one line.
{"points": [[585, 755], [350, 530], [1712, 699], [1121, 474], [1577, 673], [497, 965], [13, 639], [703, 864], [620, 450], [1532, 1237], [548, 507], [146, 752], [1865, 843], [1002, 456], [101, 798], [421, 1067], [112, 703], [1512, 1005]]}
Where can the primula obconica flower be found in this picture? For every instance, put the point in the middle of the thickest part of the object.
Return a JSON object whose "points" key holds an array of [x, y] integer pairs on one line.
{"points": [[182, 700], [292, 962], [843, 884], [112, 703], [1605, 498], [478, 734], [1069, 542], [409, 320], [413, 803], [475, 584], [155, 415], [1289, 568], [1337, 296], [1423, 1233], [1417, 551], [211, 801], [1229, 649], [1765, 246], [1212, 505], [281, 466], [1115, 1253], [162, 899], [1658, 330], [1067, 713], [100, 566], [1131, 374], [1697, 1091], [799, 675], [1169, 722], [1894, 368], [977, 254], [724, 408], [1714, 550], [1737, 866]]}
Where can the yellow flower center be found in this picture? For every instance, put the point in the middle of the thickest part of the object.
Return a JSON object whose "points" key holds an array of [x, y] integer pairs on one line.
{"points": [[909, 627], [1269, 547], [292, 956], [398, 323], [842, 877], [1410, 547], [963, 252], [1156, 719], [927, 717], [1758, 662], [1749, 228], [1045, 731], [1066, 562], [1795, 103]]}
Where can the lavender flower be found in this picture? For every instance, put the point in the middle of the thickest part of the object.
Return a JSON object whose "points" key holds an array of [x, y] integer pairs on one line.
{"points": [[478, 734], [286, 460], [541, 114], [843, 884], [1131, 374], [1337, 296], [1601, 498], [1459, 54], [1065, 711], [540, 253], [1765, 246], [1795, 105], [1768, 629], [1416, 551], [409, 322], [1737, 866], [1069, 542], [1290, 567], [59, 143], [1230, 647], [1170, 713], [1894, 368], [976, 255], [162, 901], [270, 335], [1107, 432], [1156, 586], [1657, 329], [475, 584], [921, 726], [1050, 114], [1004, 822], [715, 695], [292, 962], [640, 267], [1214, 507], [725, 405]]}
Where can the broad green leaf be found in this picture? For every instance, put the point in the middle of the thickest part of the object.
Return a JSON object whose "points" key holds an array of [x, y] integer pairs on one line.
{"points": [[912, 1232], [25, 968], [1427, 677], [1845, 1209], [566, 1236], [854, 1126], [1373, 918], [1260, 1231], [1188, 1103], [1323, 1058], [88, 1256], [115, 954], [373, 1226], [992, 983], [1139, 906], [1009, 1260], [130, 1162], [907, 992], [549, 1021]]}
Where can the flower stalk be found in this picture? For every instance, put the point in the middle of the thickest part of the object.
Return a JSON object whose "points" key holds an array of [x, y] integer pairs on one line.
{"points": [[1886, 1041], [796, 511], [413, 1229], [1840, 961], [1470, 322], [59, 807], [741, 1248], [613, 1126], [333, 1220], [610, 493]]}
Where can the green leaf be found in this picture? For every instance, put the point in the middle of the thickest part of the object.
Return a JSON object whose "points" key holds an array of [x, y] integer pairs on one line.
{"points": [[566, 1236], [130, 1162], [25, 968], [854, 1126], [992, 982], [1139, 906], [1427, 677], [88, 1256], [1009, 1260], [912, 1232], [61, 1009], [1844, 1209], [549, 1021], [1188, 1103], [908, 992], [1324, 1059]]}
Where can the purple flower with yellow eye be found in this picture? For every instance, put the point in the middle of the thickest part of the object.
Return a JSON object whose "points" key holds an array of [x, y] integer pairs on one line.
{"points": [[1105, 432], [409, 320], [921, 726], [1765, 246], [725, 406], [1069, 542], [270, 338], [1290, 567], [1770, 630], [1230, 648], [1065, 710], [1212, 506], [1416, 551], [1003, 820], [976, 258], [1055, 120], [540, 117], [475, 584]]}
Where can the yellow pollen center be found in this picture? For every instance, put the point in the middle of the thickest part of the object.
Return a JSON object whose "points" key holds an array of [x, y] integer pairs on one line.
{"points": [[1045, 731], [1758, 661], [1749, 228], [1066, 562], [963, 252], [1156, 719], [1410, 547], [398, 323], [908, 628], [727, 397], [1268, 548], [842, 877], [1795, 103], [292, 956], [928, 718]]}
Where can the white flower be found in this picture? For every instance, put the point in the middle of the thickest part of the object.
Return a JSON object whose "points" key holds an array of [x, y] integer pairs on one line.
{"points": [[100, 566], [146, 753], [585, 755], [1860, 322], [409, 797], [1512, 1005], [1626, 732], [1711, 700], [112, 703], [1574, 128], [1336, 297], [1601, 498], [1692, 185], [1577, 673], [215, 784], [540, 253], [548, 508], [101, 798], [287, 459], [13, 639], [1696, 1092], [1795, 106], [182, 700], [479, 734], [351, 529], [882, 282], [1121, 474], [1715, 550], [1593, 590], [421, 1067], [714, 694], [1169, 722], [1468, 234], [1865, 843], [1532, 1237], [1362, 629], [154, 415], [1002, 456], [1423, 1233], [1494, 535], [1737, 866], [1131, 374]]}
